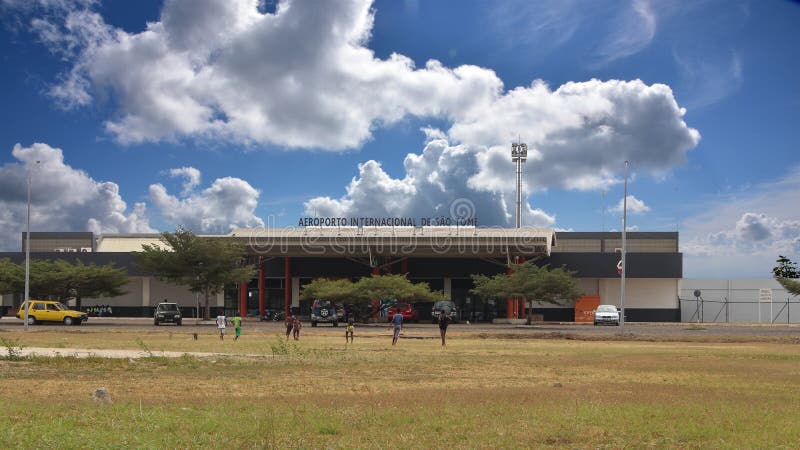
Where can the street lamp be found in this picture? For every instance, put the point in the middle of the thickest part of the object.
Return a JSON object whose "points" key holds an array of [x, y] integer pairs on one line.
{"points": [[197, 294], [624, 266], [28, 253], [519, 154]]}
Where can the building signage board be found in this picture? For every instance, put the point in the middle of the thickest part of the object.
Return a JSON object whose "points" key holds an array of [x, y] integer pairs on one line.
{"points": [[387, 221]]}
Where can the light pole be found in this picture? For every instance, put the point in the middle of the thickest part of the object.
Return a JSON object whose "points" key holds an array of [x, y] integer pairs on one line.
{"points": [[197, 294], [519, 154], [28, 253], [624, 266]]}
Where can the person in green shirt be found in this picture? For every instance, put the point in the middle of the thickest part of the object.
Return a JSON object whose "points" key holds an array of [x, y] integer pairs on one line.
{"points": [[237, 326]]}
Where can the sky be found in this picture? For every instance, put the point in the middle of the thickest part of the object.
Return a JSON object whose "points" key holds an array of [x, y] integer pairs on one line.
{"points": [[139, 117]]}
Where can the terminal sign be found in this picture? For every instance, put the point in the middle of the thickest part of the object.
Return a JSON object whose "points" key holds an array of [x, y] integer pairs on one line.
{"points": [[387, 221]]}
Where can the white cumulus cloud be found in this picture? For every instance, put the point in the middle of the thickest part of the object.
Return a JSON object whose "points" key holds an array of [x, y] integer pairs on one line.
{"points": [[191, 178], [746, 230], [436, 184], [227, 204], [299, 77], [634, 205], [62, 198], [303, 77]]}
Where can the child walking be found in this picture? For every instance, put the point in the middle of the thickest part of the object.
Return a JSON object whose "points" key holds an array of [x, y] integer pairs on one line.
{"points": [[296, 325], [348, 332]]}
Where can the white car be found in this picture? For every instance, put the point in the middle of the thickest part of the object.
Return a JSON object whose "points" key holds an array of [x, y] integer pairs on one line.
{"points": [[606, 314]]}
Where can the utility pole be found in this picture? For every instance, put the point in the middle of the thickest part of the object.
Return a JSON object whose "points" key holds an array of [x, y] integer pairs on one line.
{"points": [[28, 254], [624, 265]]}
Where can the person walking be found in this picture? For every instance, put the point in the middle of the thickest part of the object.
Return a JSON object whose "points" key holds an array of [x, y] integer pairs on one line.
{"points": [[444, 320], [397, 321], [289, 325], [349, 331], [237, 327], [296, 325], [222, 321]]}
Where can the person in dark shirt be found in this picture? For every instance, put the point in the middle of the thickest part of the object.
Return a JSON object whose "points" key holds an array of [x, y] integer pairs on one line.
{"points": [[296, 325], [444, 320], [289, 325]]}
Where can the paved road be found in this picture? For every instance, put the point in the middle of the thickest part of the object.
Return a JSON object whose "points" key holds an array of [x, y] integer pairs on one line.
{"points": [[664, 331]]}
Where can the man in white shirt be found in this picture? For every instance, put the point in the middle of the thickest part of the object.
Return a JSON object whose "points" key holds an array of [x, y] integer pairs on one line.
{"points": [[221, 322]]}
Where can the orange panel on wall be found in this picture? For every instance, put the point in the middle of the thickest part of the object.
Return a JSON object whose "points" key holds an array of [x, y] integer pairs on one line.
{"points": [[585, 306]]}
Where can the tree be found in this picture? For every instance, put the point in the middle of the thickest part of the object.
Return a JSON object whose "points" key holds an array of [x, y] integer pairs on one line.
{"points": [[62, 279], [786, 268], [338, 290], [785, 272], [12, 277], [364, 295], [529, 282], [792, 286], [203, 264]]}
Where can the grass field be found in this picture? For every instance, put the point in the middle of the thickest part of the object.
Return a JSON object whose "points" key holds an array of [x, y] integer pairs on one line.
{"points": [[479, 392]]}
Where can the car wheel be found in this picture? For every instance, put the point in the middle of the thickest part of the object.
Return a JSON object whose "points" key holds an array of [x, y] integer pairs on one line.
{"points": [[68, 321], [336, 324], [31, 320], [179, 323], [313, 324], [155, 322]]}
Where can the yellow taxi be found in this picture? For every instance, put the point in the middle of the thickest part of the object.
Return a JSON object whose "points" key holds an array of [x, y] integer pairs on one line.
{"points": [[49, 311]]}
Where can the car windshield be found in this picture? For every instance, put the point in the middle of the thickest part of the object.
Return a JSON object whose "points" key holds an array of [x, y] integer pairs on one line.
{"points": [[606, 308], [443, 305], [323, 304], [168, 307]]}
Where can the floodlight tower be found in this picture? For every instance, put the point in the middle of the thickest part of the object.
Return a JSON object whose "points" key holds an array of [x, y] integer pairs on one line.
{"points": [[519, 154]]}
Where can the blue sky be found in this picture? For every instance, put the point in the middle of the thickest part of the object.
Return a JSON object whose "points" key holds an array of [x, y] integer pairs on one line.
{"points": [[218, 114]]}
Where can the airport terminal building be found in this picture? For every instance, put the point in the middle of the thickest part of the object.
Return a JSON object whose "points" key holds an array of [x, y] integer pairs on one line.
{"points": [[444, 257]]}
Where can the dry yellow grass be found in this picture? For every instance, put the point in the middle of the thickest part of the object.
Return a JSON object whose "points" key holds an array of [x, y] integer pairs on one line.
{"points": [[475, 393]]}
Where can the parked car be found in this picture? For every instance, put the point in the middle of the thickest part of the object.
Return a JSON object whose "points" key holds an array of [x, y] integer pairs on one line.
{"points": [[406, 309], [446, 307], [49, 311], [325, 311], [167, 312], [606, 314]]}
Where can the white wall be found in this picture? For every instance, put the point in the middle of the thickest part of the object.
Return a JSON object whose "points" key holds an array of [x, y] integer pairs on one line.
{"points": [[137, 295], [652, 293], [132, 296]]}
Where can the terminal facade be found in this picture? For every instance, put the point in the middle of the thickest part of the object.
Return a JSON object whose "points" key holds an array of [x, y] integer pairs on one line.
{"points": [[443, 257]]}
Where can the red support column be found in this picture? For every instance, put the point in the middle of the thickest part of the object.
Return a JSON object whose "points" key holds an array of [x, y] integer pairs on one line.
{"points": [[242, 299], [287, 286], [261, 309]]}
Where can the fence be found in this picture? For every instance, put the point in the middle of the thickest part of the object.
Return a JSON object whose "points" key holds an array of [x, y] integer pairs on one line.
{"points": [[724, 311]]}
